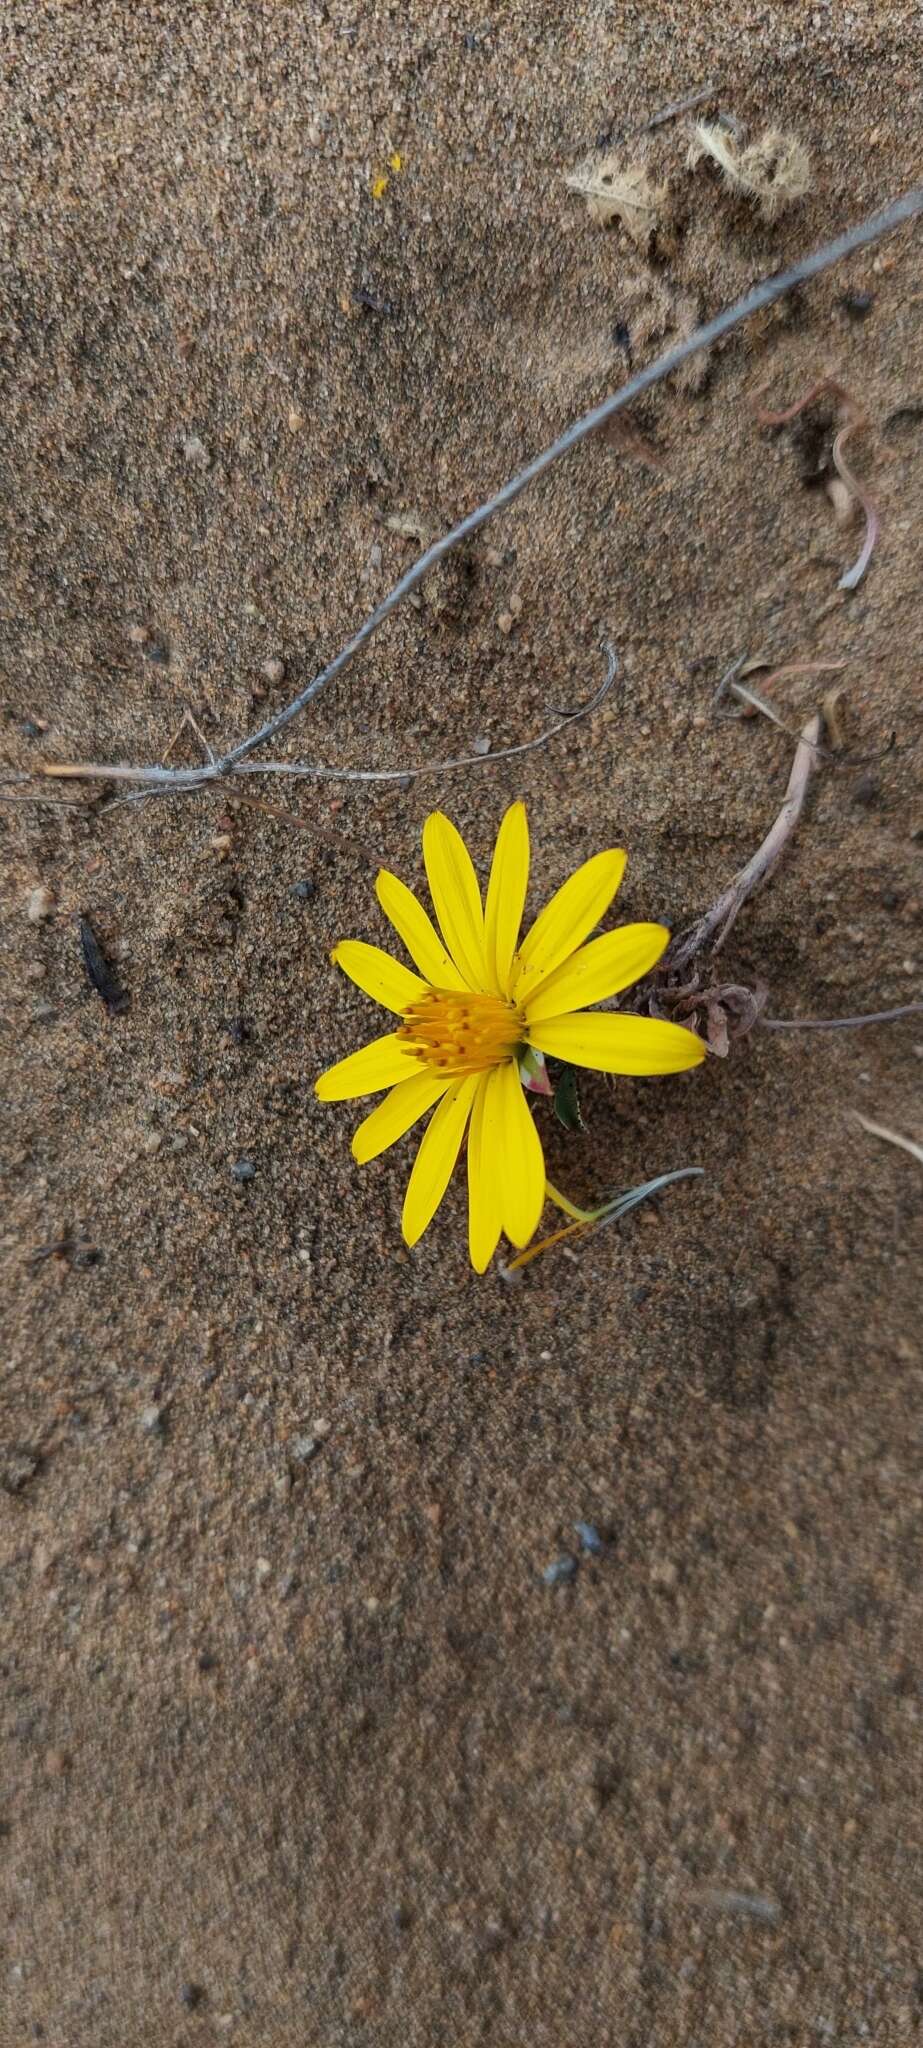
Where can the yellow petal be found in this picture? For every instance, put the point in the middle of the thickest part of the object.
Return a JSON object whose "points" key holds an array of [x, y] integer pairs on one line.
{"points": [[390, 1119], [439, 1149], [377, 1066], [378, 976], [483, 1192], [506, 894], [418, 933], [568, 919], [619, 1045], [518, 1162], [602, 968], [456, 898]]}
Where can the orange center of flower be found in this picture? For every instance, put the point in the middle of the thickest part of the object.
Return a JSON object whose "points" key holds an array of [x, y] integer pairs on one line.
{"points": [[462, 1033]]}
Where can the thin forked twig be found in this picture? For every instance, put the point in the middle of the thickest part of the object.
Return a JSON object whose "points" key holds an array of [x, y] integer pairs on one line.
{"points": [[192, 778], [755, 301]]}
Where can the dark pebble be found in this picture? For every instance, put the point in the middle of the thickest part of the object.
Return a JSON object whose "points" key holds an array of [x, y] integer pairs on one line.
{"points": [[401, 1918], [29, 729], [890, 899], [304, 892], [156, 653], [207, 1661], [243, 1169], [866, 790], [857, 304], [562, 1571], [237, 1028], [192, 1996], [590, 1538]]}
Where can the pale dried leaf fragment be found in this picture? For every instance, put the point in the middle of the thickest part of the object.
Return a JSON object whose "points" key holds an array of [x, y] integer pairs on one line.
{"points": [[774, 171], [622, 192]]}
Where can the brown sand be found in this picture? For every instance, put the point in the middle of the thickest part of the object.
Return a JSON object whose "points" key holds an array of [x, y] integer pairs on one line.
{"points": [[308, 1752]]}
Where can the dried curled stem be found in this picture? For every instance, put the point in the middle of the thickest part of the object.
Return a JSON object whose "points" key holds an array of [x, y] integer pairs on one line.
{"points": [[709, 931]]}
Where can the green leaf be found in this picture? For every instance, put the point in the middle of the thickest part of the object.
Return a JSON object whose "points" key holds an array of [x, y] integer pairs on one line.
{"points": [[567, 1101]]}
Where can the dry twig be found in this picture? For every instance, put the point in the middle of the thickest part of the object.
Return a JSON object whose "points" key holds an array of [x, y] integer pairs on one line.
{"points": [[891, 1137], [712, 928], [762, 295]]}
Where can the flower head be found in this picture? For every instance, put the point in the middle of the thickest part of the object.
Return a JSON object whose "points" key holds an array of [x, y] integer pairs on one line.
{"points": [[476, 1006]]}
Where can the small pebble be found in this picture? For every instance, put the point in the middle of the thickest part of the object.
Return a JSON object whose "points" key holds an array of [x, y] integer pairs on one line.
{"points": [[152, 1420], [29, 729], [562, 1571], [481, 745], [304, 892], [303, 1449], [243, 1170], [274, 669], [664, 1575], [516, 605], [505, 622], [320, 1427], [857, 304], [590, 1538], [865, 790], [263, 1568], [39, 904], [151, 1142], [195, 451], [157, 653], [192, 1997], [138, 635]]}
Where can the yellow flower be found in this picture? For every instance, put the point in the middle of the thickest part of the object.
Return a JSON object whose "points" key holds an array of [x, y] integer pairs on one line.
{"points": [[479, 1001]]}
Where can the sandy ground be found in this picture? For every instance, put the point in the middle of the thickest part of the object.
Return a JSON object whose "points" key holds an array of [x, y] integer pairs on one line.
{"points": [[303, 1749]]}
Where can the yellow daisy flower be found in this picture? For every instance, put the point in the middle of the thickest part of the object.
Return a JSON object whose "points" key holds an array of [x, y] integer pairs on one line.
{"points": [[478, 1003]]}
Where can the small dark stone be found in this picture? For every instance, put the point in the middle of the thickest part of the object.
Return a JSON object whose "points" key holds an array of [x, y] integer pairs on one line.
{"points": [[401, 1918], [562, 1571], [29, 729], [470, 40], [156, 653], [304, 892], [243, 1169], [207, 1661], [590, 1538], [857, 304], [621, 338], [192, 1996], [209, 1376], [866, 790], [85, 1256], [890, 899], [237, 1028]]}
